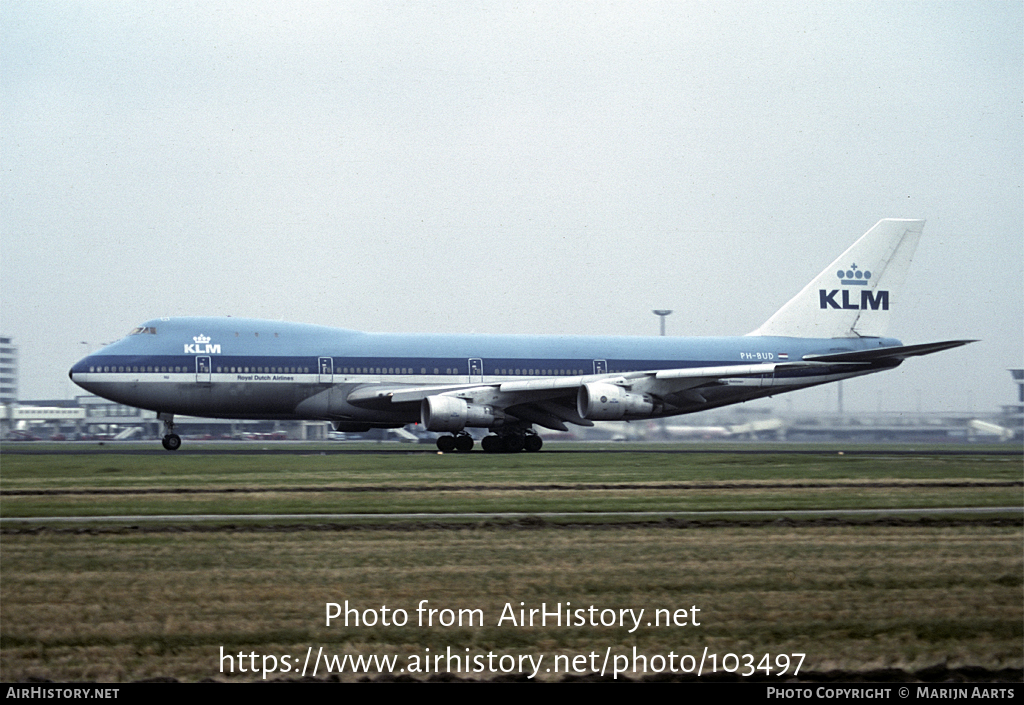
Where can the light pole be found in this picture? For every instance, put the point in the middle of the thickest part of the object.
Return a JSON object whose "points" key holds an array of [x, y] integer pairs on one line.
{"points": [[662, 313]]}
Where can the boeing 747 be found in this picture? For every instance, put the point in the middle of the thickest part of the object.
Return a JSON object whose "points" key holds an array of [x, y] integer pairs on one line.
{"points": [[254, 369]]}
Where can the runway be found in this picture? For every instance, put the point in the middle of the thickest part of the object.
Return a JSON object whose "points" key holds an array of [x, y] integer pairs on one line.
{"points": [[539, 487], [302, 448], [491, 516]]}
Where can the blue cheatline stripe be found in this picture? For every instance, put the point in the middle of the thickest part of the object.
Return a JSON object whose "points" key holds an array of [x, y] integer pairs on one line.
{"points": [[532, 367]]}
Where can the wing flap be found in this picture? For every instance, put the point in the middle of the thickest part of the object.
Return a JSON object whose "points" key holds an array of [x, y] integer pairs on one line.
{"points": [[399, 394], [543, 383]]}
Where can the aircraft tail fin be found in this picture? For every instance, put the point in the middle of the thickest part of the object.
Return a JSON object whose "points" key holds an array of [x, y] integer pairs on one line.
{"points": [[852, 297]]}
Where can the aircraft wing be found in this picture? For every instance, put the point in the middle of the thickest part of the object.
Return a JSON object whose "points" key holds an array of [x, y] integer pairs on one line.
{"points": [[551, 401], [541, 387]]}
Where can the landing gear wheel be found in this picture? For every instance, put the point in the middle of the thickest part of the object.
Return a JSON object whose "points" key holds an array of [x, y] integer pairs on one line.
{"points": [[463, 443], [514, 443], [171, 440], [492, 444], [533, 443], [446, 444]]}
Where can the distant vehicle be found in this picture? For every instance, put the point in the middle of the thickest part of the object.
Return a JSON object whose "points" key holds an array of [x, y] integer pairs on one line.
{"points": [[252, 369]]}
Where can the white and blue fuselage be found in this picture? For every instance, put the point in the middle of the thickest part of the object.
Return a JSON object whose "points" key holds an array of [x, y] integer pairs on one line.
{"points": [[257, 369]]}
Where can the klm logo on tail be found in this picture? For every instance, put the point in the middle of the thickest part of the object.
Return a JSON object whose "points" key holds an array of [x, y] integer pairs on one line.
{"points": [[879, 300], [854, 277]]}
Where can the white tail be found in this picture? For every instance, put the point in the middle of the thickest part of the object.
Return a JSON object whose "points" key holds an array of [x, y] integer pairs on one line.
{"points": [[852, 297]]}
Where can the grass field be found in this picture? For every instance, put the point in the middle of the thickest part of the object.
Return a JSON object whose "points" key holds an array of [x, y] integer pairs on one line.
{"points": [[114, 602]]}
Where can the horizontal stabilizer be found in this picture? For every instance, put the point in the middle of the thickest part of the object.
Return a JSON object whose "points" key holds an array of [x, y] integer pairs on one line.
{"points": [[898, 352]]}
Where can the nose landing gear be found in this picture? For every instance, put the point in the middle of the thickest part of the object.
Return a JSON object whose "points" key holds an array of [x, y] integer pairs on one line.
{"points": [[171, 440]]}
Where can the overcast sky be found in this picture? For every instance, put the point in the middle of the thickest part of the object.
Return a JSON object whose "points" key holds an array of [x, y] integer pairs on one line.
{"points": [[500, 167]]}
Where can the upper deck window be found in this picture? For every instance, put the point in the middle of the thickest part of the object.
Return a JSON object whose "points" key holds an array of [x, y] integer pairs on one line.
{"points": [[148, 329]]}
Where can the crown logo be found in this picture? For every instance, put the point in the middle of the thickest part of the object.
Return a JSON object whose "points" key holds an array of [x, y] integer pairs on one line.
{"points": [[853, 276], [201, 339]]}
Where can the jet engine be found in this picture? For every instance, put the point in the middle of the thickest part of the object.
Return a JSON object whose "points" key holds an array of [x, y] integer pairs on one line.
{"points": [[441, 413], [600, 401]]}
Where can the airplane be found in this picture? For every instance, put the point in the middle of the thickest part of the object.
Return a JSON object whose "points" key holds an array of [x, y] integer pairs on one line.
{"points": [[257, 369]]}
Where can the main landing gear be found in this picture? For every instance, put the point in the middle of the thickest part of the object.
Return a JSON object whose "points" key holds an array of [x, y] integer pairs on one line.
{"points": [[171, 440], [513, 442], [503, 443], [462, 443]]}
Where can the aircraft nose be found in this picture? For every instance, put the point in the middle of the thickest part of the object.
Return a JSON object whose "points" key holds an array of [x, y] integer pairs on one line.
{"points": [[78, 368]]}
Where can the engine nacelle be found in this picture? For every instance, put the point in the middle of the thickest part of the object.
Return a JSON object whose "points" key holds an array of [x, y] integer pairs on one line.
{"points": [[441, 413], [600, 401]]}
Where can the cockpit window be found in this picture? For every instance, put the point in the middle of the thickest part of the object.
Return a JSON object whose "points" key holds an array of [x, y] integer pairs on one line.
{"points": [[148, 329]]}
